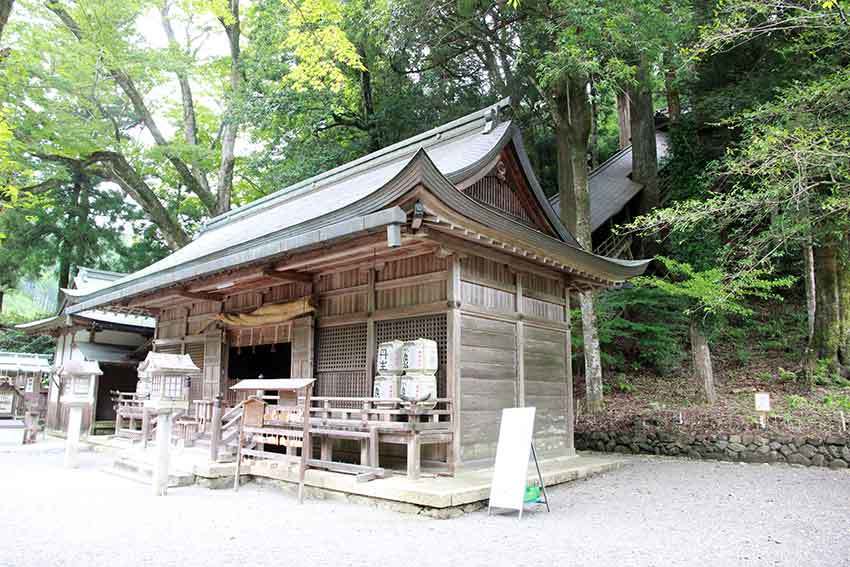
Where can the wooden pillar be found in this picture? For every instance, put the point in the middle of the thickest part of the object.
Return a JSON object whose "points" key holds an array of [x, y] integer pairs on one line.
{"points": [[373, 447], [306, 444], [371, 338], [520, 343], [215, 429], [453, 376], [364, 452], [327, 448], [568, 367]]}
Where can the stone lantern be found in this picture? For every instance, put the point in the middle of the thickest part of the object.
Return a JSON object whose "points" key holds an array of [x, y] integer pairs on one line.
{"points": [[167, 378], [78, 380]]}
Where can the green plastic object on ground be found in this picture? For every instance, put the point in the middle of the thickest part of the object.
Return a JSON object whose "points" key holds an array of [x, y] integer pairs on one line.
{"points": [[532, 494]]}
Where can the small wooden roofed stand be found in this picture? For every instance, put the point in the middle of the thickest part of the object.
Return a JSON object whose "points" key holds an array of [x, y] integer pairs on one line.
{"points": [[446, 236], [282, 424]]}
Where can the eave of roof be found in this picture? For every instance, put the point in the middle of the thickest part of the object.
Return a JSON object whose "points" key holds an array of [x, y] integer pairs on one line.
{"points": [[372, 209], [569, 257]]}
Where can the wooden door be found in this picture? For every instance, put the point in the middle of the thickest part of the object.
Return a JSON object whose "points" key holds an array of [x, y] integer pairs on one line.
{"points": [[302, 347], [212, 364]]}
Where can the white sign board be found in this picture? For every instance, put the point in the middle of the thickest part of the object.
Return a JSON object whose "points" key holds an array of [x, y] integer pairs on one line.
{"points": [[762, 401], [7, 402], [510, 472]]}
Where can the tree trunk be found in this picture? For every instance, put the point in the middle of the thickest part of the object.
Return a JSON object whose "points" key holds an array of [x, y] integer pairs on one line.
{"points": [[572, 116], [2, 294], [367, 101], [122, 173], [624, 121], [594, 129], [64, 269], [827, 331], [231, 125], [128, 86], [844, 311], [190, 125], [592, 354], [644, 154], [5, 10], [809, 280], [701, 356], [674, 105], [572, 128]]}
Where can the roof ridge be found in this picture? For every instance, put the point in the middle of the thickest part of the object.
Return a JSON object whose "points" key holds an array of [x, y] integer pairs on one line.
{"points": [[413, 143]]}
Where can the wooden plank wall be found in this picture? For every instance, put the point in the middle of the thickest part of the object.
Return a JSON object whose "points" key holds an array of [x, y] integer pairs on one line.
{"points": [[356, 298], [488, 382], [508, 330], [513, 341]]}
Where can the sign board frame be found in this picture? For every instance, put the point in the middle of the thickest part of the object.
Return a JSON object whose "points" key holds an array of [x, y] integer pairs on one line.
{"points": [[510, 471]]}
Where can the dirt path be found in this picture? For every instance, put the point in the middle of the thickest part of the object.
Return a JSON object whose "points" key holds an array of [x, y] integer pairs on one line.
{"points": [[653, 512]]}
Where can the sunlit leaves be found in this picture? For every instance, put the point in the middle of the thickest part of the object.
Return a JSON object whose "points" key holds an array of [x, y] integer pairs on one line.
{"points": [[320, 48], [713, 292]]}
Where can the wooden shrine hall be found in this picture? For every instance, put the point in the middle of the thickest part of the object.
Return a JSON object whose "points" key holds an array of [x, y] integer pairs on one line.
{"points": [[445, 236]]}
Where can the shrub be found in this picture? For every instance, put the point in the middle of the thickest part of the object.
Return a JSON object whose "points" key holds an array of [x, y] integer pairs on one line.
{"points": [[837, 402], [787, 375], [638, 328]]}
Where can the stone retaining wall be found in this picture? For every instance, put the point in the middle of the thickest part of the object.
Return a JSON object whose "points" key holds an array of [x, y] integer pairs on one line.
{"points": [[831, 451]]}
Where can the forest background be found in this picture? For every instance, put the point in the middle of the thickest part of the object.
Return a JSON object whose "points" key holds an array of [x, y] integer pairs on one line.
{"points": [[125, 125]]}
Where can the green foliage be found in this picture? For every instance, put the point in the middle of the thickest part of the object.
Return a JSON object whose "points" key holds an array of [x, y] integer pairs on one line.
{"points": [[638, 327], [825, 374], [624, 386], [795, 401], [14, 340], [714, 293], [837, 401], [786, 375]]}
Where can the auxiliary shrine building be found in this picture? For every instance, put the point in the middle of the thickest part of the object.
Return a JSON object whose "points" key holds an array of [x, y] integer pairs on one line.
{"points": [[445, 236]]}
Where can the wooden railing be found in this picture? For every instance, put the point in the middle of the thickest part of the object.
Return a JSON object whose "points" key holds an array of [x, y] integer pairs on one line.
{"points": [[129, 410], [368, 420], [202, 411], [390, 414]]}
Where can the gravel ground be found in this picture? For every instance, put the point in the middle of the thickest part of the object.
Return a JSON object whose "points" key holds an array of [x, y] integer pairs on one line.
{"points": [[652, 512]]}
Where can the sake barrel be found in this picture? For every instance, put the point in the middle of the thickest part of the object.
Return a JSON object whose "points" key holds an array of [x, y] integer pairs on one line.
{"points": [[419, 386], [386, 387], [420, 356], [390, 357]]}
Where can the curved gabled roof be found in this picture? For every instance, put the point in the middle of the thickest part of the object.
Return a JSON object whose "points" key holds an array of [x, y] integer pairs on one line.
{"points": [[356, 195]]}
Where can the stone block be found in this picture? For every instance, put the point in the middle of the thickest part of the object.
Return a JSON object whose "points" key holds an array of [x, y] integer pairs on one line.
{"points": [[807, 451], [799, 459], [838, 464]]}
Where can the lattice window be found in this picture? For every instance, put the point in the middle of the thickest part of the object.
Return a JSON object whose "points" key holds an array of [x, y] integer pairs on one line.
{"points": [[341, 348], [429, 327], [341, 362]]}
